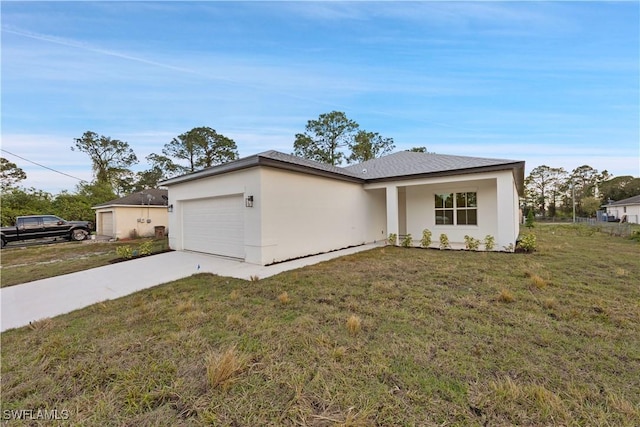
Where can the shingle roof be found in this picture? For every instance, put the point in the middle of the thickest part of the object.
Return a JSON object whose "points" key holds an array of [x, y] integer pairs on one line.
{"points": [[635, 200], [408, 163], [401, 165], [140, 198]]}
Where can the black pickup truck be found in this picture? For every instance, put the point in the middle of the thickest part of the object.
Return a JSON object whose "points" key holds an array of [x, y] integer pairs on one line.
{"points": [[44, 226]]}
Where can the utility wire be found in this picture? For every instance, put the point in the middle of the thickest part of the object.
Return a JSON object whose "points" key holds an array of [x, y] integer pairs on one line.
{"points": [[42, 166]]}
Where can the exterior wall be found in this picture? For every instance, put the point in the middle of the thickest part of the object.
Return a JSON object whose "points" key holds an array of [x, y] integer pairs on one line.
{"points": [[421, 211], [498, 207], [245, 182], [128, 220], [304, 215], [632, 212]]}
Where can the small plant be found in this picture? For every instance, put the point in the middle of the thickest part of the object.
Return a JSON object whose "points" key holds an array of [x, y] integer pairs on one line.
{"points": [[124, 252], [489, 242], [508, 248], [223, 368], [284, 298], [506, 296], [529, 223], [145, 247], [393, 238], [538, 282], [528, 242], [471, 243], [425, 242], [354, 324], [254, 278], [234, 295], [444, 242], [407, 242]]}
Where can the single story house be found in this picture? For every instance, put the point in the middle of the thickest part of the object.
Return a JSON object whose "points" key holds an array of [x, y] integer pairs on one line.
{"points": [[272, 206], [626, 210], [135, 215]]}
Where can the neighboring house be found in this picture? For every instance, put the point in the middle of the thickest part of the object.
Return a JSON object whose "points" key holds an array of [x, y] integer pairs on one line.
{"points": [[627, 210], [134, 215], [271, 206]]}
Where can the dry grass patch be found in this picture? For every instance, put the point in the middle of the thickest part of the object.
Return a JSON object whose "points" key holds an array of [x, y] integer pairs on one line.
{"points": [[538, 282], [234, 295], [284, 298], [224, 368], [354, 324], [506, 296]]}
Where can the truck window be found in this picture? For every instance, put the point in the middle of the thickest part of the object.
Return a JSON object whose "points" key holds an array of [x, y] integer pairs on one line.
{"points": [[50, 221], [30, 222]]}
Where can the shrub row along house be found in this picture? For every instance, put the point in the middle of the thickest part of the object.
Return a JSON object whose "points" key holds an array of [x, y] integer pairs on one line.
{"points": [[272, 206]]}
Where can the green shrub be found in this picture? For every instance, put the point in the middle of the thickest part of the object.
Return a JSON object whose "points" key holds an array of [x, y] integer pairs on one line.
{"points": [[471, 243], [426, 238], [530, 219], [145, 247], [489, 242], [407, 242], [393, 238], [635, 235], [444, 241], [124, 252], [528, 242]]}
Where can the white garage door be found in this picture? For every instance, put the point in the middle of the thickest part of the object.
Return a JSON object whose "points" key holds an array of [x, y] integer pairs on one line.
{"points": [[106, 224], [214, 225]]}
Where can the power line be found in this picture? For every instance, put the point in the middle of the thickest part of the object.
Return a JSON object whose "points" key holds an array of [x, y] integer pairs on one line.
{"points": [[42, 166]]}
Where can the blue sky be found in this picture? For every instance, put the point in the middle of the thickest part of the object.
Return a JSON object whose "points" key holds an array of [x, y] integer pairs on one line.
{"points": [[555, 83]]}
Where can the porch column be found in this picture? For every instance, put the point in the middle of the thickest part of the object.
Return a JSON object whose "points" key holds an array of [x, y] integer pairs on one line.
{"points": [[508, 211], [392, 210]]}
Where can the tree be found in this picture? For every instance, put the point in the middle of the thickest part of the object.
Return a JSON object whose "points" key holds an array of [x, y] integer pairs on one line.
{"points": [[418, 150], [590, 205], [619, 188], [10, 175], [325, 137], [111, 158], [539, 183], [201, 147], [369, 145], [18, 202]]}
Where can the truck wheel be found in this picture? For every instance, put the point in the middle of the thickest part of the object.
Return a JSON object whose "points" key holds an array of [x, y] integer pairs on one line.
{"points": [[4, 243], [78, 235]]}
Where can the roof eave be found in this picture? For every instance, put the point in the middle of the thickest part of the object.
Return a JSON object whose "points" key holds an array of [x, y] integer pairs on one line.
{"points": [[517, 167]]}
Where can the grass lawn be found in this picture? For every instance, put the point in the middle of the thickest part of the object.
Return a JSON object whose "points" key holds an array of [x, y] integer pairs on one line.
{"points": [[25, 264], [391, 336]]}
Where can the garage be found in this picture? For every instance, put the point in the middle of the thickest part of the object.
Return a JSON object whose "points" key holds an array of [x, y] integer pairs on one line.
{"points": [[214, 225], [105, 224]]}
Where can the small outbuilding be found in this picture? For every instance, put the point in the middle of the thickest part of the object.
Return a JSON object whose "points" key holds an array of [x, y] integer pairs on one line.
{"points": [[135, 215], [626, 210], [272, 206]]}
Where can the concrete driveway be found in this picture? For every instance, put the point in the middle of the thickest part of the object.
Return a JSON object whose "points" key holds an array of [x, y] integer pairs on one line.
{"points": [[40, 299]]}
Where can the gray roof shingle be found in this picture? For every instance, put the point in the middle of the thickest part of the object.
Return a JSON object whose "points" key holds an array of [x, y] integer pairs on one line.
{"points": [[635, 200], [401, 165], [140, 198], [408, 163]]}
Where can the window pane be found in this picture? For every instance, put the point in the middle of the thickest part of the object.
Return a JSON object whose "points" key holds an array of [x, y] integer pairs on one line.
{"points": [[444, 217], [461, 217], [448, 201], [439, 201], [472, 216], [472, 200], [461, 200]]}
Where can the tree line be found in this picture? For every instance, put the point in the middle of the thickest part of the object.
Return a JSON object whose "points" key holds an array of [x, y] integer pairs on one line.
{"points": [[332, 138], [552, 192]]}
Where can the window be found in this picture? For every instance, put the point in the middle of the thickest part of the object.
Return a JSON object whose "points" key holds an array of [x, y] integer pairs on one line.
{"points": [[456, 208], [50, 221]]}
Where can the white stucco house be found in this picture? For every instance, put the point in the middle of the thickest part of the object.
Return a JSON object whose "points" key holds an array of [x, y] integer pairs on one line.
{"points": [[272, 206], [626, 210], [134, 215]]}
